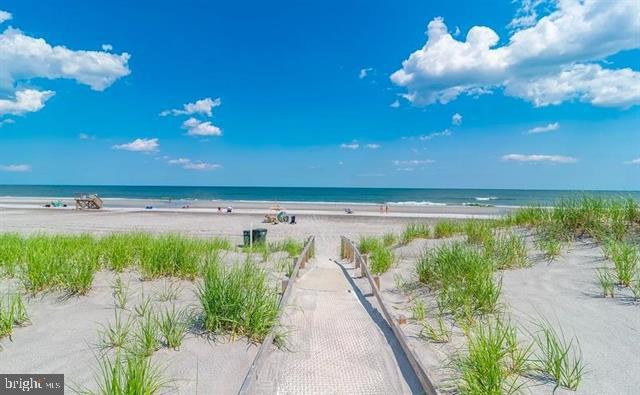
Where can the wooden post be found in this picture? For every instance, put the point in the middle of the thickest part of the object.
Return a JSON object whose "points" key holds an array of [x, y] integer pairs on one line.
{"points": [[285, 282], [363, 267], [357, 263], [402, 320], [376, 280], [302, 262]]}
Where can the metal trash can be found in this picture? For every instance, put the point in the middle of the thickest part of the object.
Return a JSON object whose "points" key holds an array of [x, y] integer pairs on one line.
{"points": [[259, 236], [246, 237]]}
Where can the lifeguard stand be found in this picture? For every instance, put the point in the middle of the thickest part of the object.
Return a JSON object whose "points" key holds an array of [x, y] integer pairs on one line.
{"points": [[86, 201]]}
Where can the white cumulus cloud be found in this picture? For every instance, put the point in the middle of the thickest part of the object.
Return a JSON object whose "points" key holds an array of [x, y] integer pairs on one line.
{"points": [[139, 145], [5, 16], [456, 119], [85, 136], [26, 100], [203, 106], [188, 164], [195, 127], [107, 47], [544, 129], [364, 72], [26, 57], [395, 104], [635, 161], [548, 61], [7, 121], [536, 158], [430, 136], [353, 145], [15, 168], [372, 146]]}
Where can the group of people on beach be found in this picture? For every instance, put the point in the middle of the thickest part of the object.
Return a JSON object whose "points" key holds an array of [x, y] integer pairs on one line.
{"points": [[384, 209]]}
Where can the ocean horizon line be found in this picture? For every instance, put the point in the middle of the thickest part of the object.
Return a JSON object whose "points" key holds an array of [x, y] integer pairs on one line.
{"points": [[317, 195]]}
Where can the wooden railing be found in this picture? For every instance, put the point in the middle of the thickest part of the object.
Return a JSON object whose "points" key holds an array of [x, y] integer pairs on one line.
{"points": [[350, 252], [287, 286]]}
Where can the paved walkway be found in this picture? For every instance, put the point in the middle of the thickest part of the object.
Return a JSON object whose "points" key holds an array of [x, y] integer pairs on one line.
{"points": [[335, 346]]}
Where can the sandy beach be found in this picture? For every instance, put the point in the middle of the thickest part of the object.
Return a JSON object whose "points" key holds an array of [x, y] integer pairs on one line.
{"points": [[564, 291]]}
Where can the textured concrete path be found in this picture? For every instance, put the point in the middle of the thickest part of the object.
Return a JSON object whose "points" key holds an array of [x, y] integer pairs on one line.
{"points": [[335, 346]]}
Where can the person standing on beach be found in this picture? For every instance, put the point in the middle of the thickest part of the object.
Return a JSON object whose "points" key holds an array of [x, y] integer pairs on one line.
{"points": [[381, 209], [386, 209]]}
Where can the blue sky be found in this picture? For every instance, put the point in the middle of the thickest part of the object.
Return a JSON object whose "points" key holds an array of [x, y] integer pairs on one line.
{"points": [[298, 93]]}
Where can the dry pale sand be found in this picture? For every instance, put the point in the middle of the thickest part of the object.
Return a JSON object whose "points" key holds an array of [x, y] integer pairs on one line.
{"points": [[64, 332], [565, 292], [64, 335]]}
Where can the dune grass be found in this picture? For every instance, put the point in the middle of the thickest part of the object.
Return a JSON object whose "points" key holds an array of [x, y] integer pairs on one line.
{"points": [[292, 247], [389, 239], [444, 229], [463, 278], [381, 259], [625, 260], [366, 244], [129, 373], [587, 216], [508, 251], [237, 300], [11, 257], [170, 256], [12, 313], [119, 251], [173, 324], [439, 333], [146, 335], [116, 334], [551, 247], [494, 360], [557, 358], [606, 281], [414, 231], [68, 263], [419, 310], [478, 232]]}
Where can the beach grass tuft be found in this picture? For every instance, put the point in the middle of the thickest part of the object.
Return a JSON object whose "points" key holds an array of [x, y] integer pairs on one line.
{"points": [[366, 244], [170, 256], [463, 278], [237, 300], [129, 373], [494, 360], [173, 325], [478, 231], [414, 230], [419, 310], [13, 312], [146, 334], [550, 246], [444, 229], [389, 239], [116, 334], [557, 358], [11, 253], [381, 259], [439, 333], [120, 292], [606, 281], [625, 260], [292, 247], [507, 251]]}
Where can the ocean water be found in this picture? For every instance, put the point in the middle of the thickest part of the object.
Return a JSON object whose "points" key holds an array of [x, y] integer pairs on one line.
{"points": [[403, 196]]}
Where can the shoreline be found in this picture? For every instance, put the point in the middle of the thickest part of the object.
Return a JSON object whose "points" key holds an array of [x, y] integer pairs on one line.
{"points": [[267, 207]]}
